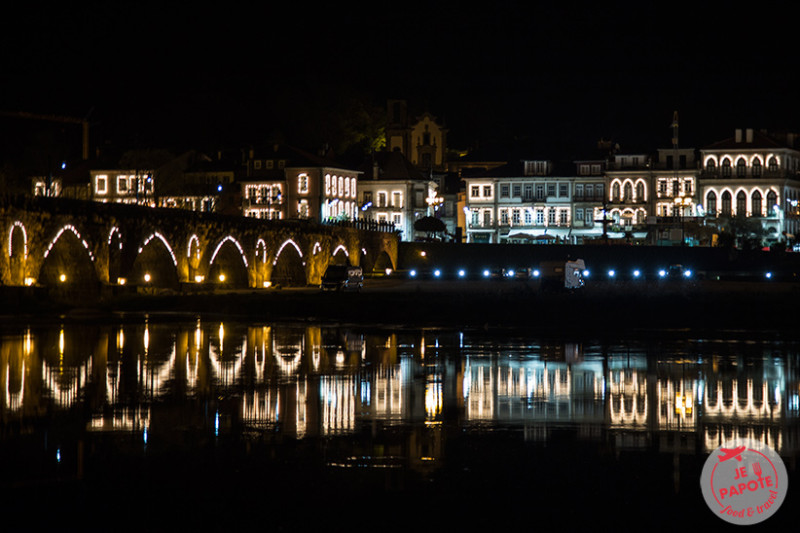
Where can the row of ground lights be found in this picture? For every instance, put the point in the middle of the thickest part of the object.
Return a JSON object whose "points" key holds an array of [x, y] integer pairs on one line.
{"points": [[462, 273]]}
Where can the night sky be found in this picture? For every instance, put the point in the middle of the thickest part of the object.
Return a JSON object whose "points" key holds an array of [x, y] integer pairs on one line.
{"points": [[550, 78]]}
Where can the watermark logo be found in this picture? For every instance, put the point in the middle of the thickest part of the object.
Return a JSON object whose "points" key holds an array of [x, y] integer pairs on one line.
{"points": [[744, 481]]}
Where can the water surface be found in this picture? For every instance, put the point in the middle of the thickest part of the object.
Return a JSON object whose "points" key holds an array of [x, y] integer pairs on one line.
{"points": [[160, 422]]}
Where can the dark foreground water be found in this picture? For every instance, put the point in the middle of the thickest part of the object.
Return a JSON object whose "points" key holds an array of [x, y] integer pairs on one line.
{"points": [[179, 423]]}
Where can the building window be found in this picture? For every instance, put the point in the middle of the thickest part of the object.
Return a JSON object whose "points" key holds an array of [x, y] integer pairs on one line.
{"points": [[302, 183], [487, 218], [517, 188], [504, 189], [595, 169], [757, 207], [397, 219], [102, 185], [687, 187], [772, 165], [352, 188], [579, 215], [628, 192], [122, 184], [382, 199], [741, 204], [741, 168], [302, 208], [540, 192], [615, 192], [551, 216], [475, 191], [504, 217], [367, 197], [397, 199], [756, 168], [772, 201], [711, 203], [711, 166], [583, 170], [726, 168], [579, 191], [528, 192], [551, 190], [487, 191], [528, 217], [515, 217], [640, 197], [474, 217], [589, 192], [257, 164], [539, 217], [563, 190], [726, 204], [327, 184]]}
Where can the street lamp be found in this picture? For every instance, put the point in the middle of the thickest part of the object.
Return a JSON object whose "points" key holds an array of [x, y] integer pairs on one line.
{"points": [[681, 202]]}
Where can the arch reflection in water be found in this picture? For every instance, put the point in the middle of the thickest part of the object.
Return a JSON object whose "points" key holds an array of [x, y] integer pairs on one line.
{"points": [[314, 381]]}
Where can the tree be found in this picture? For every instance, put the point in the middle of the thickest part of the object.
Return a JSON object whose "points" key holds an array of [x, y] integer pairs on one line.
{"points": [[431, 226]]}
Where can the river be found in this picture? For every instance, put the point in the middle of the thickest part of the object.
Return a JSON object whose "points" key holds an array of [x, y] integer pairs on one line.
{"points": [[157, 422]]}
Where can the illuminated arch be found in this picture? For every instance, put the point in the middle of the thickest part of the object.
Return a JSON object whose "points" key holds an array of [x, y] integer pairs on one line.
{"points": [[712, 159], [68, 227], [111, 235], [196, 240], [288, 241], [317, 248], [160, 237], [236, 243], [21, 226], [342, 248], [640, 183], [261, 249]]}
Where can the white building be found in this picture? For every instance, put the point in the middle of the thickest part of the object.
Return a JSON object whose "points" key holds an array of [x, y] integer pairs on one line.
{"points": [[392, 190], [753, 175], [123, 186], [527, 201]]}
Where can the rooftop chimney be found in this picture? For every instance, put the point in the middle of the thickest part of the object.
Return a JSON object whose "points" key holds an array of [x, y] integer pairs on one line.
{"points": [[749, 135], [738, 137]]}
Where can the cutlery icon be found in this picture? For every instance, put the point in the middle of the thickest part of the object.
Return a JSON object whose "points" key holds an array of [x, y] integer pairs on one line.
{"points": [[757, 469]]}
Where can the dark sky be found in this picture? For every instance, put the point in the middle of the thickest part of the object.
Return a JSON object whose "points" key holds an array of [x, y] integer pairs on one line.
{"points": [[555, 78]]}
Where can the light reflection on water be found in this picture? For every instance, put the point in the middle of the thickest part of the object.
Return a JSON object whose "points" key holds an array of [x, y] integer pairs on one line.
{"points": [[379, 400]]}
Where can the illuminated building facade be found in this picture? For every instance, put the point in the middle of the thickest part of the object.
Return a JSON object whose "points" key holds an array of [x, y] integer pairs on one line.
{"points": [[284, 182], [527, 201], [204, 185], [420, 138], [393, 191], [629, 188], [753, 176], [123, 186]]}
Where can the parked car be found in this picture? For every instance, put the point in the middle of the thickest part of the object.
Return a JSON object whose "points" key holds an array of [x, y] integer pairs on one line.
{"points": [[343, 277]]}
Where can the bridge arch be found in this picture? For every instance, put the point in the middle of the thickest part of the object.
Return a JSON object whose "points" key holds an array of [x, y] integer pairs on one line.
{"points": [[228, 264], [288, 268], [115, 245], [17, 253], [340, 256], [155, 264], [68, 265]]}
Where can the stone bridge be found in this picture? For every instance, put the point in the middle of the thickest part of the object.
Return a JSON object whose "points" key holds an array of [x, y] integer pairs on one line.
{"points": [[58, 243]]}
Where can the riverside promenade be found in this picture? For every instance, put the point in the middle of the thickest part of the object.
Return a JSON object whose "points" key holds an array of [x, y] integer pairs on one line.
{"points": [[599, 308]]}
